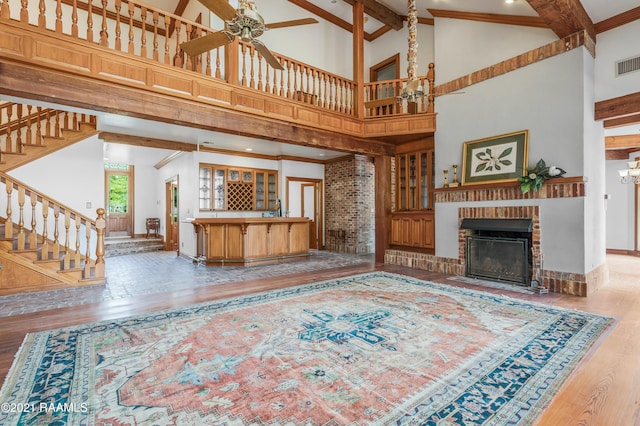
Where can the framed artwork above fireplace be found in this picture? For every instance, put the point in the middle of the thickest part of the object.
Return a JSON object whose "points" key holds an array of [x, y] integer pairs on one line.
{"points": [[501, 158]]}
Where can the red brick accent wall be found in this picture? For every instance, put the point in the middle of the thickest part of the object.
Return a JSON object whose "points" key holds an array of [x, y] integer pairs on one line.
{"points": [[553, 188], [350, 205]]}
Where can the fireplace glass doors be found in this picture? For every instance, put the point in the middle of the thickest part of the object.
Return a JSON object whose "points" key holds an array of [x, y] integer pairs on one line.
{"points": [[500, 259]]}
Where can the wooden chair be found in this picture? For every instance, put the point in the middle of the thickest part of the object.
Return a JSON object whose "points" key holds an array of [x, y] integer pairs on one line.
{"points": [[153, 224]]}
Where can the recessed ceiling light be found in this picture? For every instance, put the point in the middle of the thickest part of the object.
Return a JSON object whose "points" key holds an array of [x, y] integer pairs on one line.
{"points": [[509, 1], [248, 149]]}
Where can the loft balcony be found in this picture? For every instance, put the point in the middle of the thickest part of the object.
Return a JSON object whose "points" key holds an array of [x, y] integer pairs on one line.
{"points": [[124, 57]]}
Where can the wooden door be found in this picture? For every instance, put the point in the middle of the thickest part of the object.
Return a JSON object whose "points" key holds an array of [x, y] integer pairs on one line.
{"points": [[172, 238], [311, 202], [119, 202]]}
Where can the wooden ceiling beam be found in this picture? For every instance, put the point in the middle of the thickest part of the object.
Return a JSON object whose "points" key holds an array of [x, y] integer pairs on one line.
{"points": [[380, 13], [564, 17], [622, 121], [618, 20], [618, 107], [146, 142], [527, 21], [321, 13], [622, 142], [619, 154]]}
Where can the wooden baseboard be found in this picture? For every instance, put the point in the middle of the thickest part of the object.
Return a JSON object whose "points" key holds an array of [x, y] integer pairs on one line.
{"points": [[624, 252]]}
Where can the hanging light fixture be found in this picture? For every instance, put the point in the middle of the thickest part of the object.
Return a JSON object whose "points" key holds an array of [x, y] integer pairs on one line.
{"points": [[415, 90], [632, 173]]}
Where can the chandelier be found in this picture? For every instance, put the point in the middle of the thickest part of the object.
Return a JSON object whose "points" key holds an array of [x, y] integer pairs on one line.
{"points": [[632, 173]]}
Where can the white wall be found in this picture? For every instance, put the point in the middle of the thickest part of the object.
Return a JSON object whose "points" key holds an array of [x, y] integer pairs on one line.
{"points": [[462, 47], [394, 42], [594, 170], [614, 45], [73, 176]]}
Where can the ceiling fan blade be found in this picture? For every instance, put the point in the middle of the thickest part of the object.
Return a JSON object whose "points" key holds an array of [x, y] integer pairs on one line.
{"points": [[292, 23], [267, 55], [221, 8], [204, 43], [381, 102]]}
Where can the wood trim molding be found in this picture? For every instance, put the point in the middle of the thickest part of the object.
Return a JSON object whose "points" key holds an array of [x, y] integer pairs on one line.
{"points": [[373, 69], [618, 20], [528, 21]]}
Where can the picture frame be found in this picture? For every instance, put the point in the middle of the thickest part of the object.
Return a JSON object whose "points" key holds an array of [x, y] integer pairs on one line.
{"points": [[501, 158]]}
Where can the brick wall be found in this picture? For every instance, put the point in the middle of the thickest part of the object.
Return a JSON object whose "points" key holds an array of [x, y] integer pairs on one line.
{"points": [[350, 205]]}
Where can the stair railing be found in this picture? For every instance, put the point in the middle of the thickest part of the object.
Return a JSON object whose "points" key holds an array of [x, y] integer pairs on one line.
{"points": [[23, 124], [36, 222]]}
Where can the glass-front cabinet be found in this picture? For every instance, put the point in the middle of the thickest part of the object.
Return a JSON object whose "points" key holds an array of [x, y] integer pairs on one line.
{"points": [[412, 223], [266, 189], [232, 188], [415, 175]]}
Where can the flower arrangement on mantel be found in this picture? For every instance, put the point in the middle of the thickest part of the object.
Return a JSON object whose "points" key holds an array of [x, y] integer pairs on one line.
{"points": [[536, 176]]}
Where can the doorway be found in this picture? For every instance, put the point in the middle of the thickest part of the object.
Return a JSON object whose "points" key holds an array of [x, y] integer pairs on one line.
{"points": [[119, 200], [171, 216], [389, 69], [304, 199]]}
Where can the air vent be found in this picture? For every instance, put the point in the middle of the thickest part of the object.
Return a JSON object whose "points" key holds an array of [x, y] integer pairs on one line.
{"points": [[626, 66]]}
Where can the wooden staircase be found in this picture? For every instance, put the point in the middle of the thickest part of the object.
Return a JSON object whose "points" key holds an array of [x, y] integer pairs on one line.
{"points": [[32, 255], [29, 132], [31, 260]]}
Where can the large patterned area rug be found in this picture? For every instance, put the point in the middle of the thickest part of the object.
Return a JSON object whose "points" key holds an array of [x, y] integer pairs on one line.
{"points": [[374, 349]]}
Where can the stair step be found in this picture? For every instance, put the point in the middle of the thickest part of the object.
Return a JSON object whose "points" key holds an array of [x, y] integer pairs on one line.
{"points": [[124, 246]]}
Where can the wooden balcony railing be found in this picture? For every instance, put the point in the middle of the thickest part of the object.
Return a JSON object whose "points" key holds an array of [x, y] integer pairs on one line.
{"points": [[146, 32], [393, 88], [36, 221]]}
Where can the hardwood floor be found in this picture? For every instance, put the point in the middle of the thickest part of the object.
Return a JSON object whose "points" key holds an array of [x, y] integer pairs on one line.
{"points": [[604, 390]]}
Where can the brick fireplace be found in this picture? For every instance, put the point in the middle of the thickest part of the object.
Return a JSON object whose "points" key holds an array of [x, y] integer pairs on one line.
{"points": [[483, 196]]}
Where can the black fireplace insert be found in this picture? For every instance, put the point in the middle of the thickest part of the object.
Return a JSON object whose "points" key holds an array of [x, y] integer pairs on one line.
{"points": [[499, 249]]}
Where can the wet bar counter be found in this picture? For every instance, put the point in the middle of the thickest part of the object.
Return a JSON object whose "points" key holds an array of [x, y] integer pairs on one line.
{"points": [[250, 241]]}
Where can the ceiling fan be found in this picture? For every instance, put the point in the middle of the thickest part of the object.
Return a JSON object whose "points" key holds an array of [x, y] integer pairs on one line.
{"points": [[245, 22]]}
